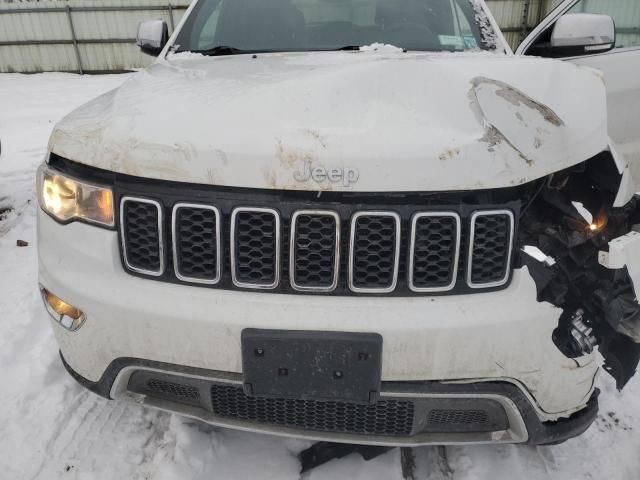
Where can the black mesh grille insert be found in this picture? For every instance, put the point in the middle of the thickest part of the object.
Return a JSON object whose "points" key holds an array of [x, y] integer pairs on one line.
{"points": [[195, 242], [386, 417], [434, 251], [173, 389], [314, 250], [190, 247], [374, 251], [457, 417], [141, 236], [490, 250], [255, 248]]}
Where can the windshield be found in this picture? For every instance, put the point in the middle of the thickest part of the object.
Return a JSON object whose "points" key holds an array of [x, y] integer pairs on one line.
{"points": [[219, 27]]}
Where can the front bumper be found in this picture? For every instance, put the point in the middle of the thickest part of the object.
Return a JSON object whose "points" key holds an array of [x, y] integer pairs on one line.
{"points": [[496, 336], [521, 424]]}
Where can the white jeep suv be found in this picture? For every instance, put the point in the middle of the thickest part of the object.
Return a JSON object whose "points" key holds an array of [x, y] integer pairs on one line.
{"points": [[363, 221]]}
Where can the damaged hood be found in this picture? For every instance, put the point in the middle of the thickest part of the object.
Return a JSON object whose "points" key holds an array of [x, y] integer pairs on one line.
{"points": [[344, 121]]}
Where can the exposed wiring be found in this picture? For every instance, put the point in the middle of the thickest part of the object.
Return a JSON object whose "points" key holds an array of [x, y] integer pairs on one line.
{"points": [[532, 199]]}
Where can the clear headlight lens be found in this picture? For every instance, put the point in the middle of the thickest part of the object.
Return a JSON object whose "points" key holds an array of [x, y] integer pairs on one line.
{"points": [[67, 199]]}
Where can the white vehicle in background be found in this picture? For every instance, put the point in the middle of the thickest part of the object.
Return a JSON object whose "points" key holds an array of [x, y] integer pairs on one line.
{"points": [[362, 221]]}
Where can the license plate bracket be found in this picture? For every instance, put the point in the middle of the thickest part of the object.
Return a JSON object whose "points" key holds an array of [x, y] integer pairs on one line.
{"points": [[312, 365]]}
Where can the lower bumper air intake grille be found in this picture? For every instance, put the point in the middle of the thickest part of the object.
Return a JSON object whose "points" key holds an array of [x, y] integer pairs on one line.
{"points": [[458, 417], [173, 391], [386, 417], [391, 416]]}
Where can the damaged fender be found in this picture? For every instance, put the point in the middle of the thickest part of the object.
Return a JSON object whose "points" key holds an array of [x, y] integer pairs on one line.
{"points": [[583, 252]]}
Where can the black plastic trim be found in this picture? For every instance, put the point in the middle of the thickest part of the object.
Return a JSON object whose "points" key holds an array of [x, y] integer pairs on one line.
{"points": [[540, 433], [286, 202]]}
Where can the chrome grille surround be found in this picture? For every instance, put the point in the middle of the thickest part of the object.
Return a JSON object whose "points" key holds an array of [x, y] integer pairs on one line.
{"points": [[174, 237], [389, 262], [125, 256], [411, 254], [505, 279], [352, 240], [277, 262], [292, 251]]}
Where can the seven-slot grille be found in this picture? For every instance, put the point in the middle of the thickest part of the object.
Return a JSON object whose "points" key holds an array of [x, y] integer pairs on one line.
{"points": [[361, 252]]}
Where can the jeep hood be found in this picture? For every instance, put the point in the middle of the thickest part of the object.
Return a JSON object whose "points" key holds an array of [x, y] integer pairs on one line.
{"points": [[404, 121]]}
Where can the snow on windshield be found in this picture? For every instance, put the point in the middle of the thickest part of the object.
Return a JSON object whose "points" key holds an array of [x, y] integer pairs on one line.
{"points": [[489, 36]]}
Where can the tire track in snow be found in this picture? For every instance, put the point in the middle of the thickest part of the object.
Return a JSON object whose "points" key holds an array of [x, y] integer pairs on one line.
{"points": [[76, 428], [452, 463]]}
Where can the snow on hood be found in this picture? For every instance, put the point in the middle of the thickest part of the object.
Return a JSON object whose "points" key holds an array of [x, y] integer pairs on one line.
{"points": [[403, 121]]}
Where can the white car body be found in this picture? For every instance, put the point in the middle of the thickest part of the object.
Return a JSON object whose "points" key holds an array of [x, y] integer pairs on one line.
{"points": [[334, 123], [621, 69]]}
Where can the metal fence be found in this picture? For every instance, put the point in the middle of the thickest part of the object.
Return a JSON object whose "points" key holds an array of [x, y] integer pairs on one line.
{"points": [[99, 35], [517, 18], [78, 35]]}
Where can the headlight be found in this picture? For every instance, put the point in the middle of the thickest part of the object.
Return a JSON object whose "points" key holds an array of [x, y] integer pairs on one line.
{"points": [[68, 199]]}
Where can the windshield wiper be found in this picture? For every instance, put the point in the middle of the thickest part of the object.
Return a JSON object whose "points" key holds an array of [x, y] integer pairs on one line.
{"points": [[228, 50], [225, 50]]}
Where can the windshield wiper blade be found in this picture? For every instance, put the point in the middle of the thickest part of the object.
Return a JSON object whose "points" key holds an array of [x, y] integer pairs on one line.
{"points": [[223, 50], [228, 50]]}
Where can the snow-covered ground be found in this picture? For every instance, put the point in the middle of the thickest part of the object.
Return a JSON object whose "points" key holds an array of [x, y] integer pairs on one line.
{"points": [[51, 428]]}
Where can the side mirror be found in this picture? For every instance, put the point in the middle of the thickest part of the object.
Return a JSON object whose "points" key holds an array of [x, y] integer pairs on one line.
{"points": [[153, 35], [577, 34]]}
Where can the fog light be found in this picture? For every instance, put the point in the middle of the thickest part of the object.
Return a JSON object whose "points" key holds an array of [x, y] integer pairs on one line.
{"points": [[65, 314]]}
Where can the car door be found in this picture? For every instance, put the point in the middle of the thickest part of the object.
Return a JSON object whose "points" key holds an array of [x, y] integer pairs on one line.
{"points": [[621, 68]]}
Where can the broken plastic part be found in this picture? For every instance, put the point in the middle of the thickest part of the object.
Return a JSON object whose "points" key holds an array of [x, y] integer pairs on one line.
{"points": [[582, 334], [623, 314], [539, 255], [586, 214], [624, 252], [597, 263], [324, 452]]}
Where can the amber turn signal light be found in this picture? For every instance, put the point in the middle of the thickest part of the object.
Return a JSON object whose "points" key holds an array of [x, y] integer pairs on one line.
{"points": [[65, 314]]}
